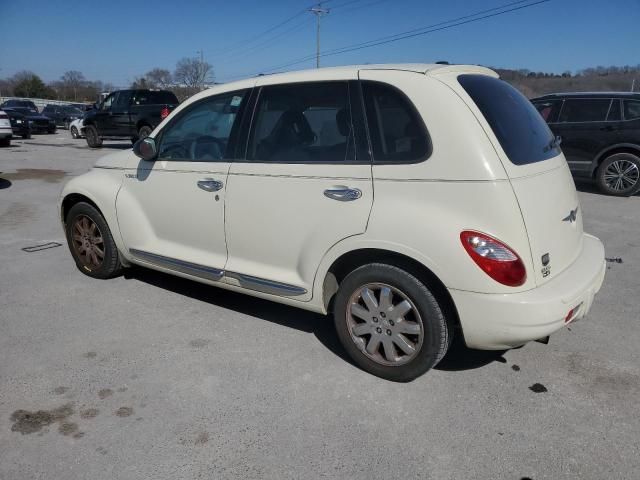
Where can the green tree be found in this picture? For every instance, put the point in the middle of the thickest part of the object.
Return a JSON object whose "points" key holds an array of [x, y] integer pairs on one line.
{"points": [[28, 84]]}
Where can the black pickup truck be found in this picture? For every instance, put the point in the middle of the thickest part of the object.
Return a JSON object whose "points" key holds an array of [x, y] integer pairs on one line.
{"points": [[127, 114]]}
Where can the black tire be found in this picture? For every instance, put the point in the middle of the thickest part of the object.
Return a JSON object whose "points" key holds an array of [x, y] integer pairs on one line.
{"points": [[74, 132], [610, 178], [26, 136], [110, 265], [66, 124], [144, 131], [51, 130], [436, 332], [93, 139], [5, 142]]}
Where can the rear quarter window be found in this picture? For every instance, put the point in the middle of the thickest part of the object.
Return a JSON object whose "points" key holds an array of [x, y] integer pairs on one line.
{"points": [[516, 123]]}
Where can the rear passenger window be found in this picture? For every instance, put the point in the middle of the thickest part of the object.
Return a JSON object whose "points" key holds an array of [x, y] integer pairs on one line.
{"points": [[303, 123], [396, 129], [585, 110], [521, 131], [631, 109]]}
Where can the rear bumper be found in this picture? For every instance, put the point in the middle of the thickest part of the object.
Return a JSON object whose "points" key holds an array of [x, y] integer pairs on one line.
{"points": [[496, 322]]}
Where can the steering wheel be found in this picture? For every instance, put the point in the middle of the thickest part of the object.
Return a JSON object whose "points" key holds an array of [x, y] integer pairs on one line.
{"points": [[177, 151], [215, 151]]}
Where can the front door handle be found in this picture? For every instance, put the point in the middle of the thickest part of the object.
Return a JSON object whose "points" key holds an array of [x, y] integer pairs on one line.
{"points": [[342, 193], [210, 185]]}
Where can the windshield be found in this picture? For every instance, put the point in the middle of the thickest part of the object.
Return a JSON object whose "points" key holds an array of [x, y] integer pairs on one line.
{"points": [[26, 111], [520, 129]]}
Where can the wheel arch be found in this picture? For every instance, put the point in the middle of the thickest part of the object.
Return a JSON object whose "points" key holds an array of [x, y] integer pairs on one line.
{"points": [[99, 188], [612, 150], [348, 261]]}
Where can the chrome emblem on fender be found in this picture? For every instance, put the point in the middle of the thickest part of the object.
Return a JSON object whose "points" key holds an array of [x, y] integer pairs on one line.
{"points": [[572, 217]]}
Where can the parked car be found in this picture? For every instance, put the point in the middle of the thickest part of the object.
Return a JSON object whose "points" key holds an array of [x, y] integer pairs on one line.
{"points": [[128, 114], [19, 123], [75, 128], [266, 186], [63, 115], [5, 130], [36, 122], [600, 135], [19, 104]]}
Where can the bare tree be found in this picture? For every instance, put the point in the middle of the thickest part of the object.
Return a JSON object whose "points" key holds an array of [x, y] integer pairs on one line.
{"points": [[192, 72], [159, 78], [73, 80]]}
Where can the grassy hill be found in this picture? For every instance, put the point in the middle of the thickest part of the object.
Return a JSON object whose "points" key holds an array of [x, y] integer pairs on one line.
{"points": [[598, 79]]}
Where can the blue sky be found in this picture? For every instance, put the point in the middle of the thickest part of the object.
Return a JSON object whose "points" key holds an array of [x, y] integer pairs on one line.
{"points": [[117, 40]]}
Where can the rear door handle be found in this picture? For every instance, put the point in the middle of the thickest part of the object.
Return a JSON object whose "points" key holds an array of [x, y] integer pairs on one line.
{"points": [[210, 185], [342, 193]]}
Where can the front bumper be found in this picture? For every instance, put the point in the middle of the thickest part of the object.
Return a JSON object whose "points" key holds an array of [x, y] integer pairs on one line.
{"points": [[502, 321]]}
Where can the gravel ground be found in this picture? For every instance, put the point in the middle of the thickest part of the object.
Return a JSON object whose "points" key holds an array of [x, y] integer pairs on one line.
{"points": [[150, 376]]}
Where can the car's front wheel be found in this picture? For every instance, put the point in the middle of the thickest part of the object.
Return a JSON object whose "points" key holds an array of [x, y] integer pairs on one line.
{"points": [[74, 132], [390, 323], [619, 175], [91, 243]]}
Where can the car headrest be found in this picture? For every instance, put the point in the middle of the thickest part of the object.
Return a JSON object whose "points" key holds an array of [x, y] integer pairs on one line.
{"points": [[342, 120]]}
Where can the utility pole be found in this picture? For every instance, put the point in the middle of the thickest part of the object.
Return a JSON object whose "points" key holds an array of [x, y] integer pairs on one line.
{"points": [[633, 85], [200, 70], [318, 11]]}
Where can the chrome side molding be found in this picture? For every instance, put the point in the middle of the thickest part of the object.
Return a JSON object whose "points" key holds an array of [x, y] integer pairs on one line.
{"points": [[266, 286], [209, 273], [189, 268]]}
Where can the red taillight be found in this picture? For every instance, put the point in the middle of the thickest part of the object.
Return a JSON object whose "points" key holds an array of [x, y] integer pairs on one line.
{"points": [[164, 113], [494, 257]]}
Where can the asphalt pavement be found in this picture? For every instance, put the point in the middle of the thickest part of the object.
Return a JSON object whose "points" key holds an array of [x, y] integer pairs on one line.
{"points": [[151, 376]]}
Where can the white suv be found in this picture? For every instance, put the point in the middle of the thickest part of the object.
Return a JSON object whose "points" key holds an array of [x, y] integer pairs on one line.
{"points": [[411, 201]]}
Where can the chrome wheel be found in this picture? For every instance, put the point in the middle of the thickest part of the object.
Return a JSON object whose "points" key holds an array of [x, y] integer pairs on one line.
{"points": [[621, 175], [384, 324], [88, 242]]}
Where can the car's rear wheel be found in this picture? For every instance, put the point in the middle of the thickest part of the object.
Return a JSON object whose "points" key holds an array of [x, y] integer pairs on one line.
{"points": [[93, 139], [619, 175], [5, 142], [91, 243], [144, 132], [390, 323], [26, 136], [74, 132]]}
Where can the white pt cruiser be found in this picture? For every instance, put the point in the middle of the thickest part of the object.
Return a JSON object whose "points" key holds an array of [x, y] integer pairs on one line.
{"points": [[411, 201]]}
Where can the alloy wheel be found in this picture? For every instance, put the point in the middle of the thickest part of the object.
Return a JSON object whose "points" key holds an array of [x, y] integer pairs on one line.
{"points": [[385, 324], [621, 175], [88, 242]]}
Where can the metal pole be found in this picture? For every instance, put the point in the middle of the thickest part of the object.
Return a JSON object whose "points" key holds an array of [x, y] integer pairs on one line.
{"points": [[318, 12]]}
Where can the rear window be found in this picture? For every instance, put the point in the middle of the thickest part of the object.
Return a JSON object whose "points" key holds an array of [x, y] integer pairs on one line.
{"points": [[516, 123], [631, 109], [155, 98]]}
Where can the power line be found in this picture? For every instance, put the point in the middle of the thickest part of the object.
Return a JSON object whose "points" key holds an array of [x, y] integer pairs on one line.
{"points": [[418, 31]]}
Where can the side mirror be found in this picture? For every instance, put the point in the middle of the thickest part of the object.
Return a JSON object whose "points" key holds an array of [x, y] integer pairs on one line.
{"points": [[146, 149]]}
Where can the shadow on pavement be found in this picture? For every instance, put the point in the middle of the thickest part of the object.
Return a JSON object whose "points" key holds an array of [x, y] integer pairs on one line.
{"points": [[4, 183], [459, 357]]}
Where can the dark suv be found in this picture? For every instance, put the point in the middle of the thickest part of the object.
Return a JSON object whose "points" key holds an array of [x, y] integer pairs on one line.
{"points": [[63, 115], [600, 135]]}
